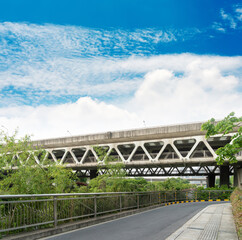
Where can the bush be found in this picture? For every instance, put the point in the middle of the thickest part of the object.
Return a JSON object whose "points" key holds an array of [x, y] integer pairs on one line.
{"points": [[104, 183], [235, 199]]}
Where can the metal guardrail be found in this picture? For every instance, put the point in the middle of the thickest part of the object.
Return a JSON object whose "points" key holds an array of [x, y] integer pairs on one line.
{"points": [[21, 212]]}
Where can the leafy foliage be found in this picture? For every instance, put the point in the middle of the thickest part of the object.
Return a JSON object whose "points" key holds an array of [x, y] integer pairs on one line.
{"points": [[21, 174], [227, 125], [104, 183], [113, 168], [13, 151]]}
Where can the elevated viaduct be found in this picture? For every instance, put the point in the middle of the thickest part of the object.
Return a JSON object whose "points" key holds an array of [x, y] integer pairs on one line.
{"points": [[178, 150]]}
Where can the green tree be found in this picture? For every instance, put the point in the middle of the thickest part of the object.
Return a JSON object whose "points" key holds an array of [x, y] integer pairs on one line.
{"points": [[227, 125], [110, 163], [113, 179], [20, 173]]}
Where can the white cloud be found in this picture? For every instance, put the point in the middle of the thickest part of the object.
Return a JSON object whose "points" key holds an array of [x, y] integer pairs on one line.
{"points": [[37, 62], [239, 13], [53, 60], [84, 116], [174, 89], [219, 27], [232, 19], [198, 95], [101, 76], [41, 41], [228, 18]]}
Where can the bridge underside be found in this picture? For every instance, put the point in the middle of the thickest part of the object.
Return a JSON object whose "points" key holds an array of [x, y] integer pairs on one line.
{"points": [[210, 171], [224, 172], [162, 171]]}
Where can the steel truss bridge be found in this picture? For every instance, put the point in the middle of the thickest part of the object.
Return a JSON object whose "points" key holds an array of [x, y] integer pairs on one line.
{"points": [[179, 150]]}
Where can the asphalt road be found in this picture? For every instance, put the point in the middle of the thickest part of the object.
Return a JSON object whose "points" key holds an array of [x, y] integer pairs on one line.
{"points": [[156, 224]]}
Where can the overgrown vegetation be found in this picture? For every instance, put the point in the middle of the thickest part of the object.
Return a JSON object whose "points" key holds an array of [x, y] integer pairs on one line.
{"points": [[236, 201], [227, 125], [22, 174], [104, 183]]}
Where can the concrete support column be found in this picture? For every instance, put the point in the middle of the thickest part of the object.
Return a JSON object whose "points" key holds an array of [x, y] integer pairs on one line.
{"points": [[239, 173], [236, 177], [93, 174], [224, 175], [211, 180]]}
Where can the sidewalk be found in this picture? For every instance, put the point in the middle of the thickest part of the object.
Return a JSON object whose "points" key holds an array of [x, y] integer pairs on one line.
{"points": [[215, 222]]}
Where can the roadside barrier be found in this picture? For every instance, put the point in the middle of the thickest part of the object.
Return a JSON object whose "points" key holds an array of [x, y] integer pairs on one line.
{"points": [[19, 213]]}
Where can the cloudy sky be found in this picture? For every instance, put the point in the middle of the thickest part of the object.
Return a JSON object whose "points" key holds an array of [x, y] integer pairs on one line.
{"points": [[77, 67]]}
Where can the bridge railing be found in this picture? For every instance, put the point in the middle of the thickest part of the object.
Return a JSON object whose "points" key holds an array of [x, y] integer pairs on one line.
{"points": [[31, 212], [165, 155]]}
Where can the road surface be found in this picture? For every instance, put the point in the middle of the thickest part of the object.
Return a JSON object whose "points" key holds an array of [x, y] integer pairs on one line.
{"points": [[155, 224]]}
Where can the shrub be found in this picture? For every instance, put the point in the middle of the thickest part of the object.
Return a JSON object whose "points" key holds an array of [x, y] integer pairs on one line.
{"points": [[236, 198]]}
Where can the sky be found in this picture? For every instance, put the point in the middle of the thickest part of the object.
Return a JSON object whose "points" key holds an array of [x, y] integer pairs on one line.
{"points": [[85, 66]]}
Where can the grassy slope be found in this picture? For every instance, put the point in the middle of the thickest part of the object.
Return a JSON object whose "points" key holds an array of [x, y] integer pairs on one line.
{"points": [[236, 201]]}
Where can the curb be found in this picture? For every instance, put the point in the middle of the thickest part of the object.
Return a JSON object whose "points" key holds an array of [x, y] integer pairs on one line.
{"points": [[210, 200]]}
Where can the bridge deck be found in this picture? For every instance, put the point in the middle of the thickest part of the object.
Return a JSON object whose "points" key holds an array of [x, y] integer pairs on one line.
{"points": [[172, 131]]}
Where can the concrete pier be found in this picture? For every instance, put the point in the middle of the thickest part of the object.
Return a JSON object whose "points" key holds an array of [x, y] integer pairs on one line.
{"points": [[93, 174], [211, 180], [224, 175]]}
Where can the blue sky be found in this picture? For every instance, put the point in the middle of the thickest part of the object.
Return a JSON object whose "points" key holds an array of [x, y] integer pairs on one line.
{"points": [[180, 17], [111, 65], [120, 14]]}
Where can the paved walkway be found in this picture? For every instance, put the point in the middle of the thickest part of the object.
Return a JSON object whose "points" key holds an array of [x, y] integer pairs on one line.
{"points": [[215, 222]]}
